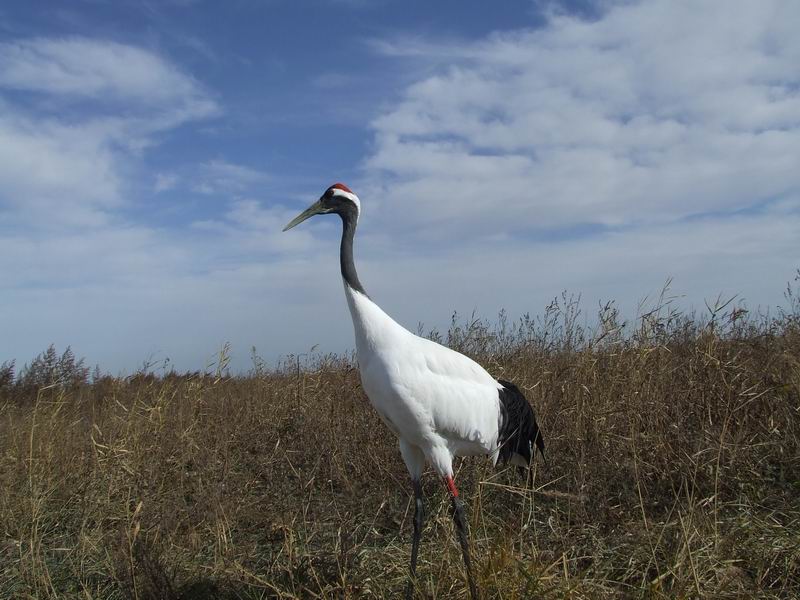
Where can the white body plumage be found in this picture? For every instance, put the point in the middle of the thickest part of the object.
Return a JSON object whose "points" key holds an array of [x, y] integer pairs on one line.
{"points": [[438, 402]]}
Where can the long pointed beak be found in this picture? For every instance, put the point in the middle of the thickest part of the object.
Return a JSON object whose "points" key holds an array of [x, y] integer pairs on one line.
{"points": [[314, 209]]}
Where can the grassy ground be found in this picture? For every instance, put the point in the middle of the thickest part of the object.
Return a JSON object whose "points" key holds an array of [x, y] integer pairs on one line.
{"points": [[673, 472]]}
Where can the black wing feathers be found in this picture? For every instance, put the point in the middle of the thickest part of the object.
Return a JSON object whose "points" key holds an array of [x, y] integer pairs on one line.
{"points": [[518, 429]]}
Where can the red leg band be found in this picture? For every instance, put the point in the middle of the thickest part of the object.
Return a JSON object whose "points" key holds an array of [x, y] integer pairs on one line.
{"points": [[451, 486]]}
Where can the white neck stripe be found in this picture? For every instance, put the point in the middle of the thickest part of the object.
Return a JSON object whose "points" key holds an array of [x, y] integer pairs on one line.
{"points": [[350, 196]]}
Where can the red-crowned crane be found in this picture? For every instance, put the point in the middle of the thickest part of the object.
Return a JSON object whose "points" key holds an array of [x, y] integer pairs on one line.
{"points": [[439, 403]]}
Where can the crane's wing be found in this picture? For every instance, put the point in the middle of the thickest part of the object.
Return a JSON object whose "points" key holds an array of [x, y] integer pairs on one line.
{"points": [[458, 396]]}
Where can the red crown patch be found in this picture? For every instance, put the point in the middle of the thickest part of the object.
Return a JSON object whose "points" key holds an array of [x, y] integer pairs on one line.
{"points": [[343, 187]]}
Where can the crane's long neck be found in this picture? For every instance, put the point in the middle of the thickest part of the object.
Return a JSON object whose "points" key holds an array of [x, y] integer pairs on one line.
{"points": [[374, 329], [349, 274]]}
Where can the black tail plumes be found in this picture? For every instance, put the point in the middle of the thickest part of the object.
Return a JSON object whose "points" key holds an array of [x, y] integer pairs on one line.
{"points": [[518, 429]]}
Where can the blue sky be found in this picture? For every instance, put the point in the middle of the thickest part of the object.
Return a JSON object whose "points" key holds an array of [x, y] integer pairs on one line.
{"points": [[150, 153]]}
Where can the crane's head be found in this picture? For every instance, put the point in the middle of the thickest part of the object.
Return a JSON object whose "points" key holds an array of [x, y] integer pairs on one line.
{"points": [[337, 199]]}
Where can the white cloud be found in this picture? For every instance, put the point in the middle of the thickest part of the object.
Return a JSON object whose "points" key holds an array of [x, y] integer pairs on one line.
{"points": [[52, 172], [107, 70], [62, 167], [657, 111], [84, 262]]}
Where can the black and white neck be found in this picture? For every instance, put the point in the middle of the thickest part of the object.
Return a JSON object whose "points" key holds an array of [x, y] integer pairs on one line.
{"points": [[348, 207]]}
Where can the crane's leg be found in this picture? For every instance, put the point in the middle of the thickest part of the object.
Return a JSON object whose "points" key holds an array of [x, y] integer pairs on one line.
{"points": [[461, 531], [415, 461], [418, 517]]}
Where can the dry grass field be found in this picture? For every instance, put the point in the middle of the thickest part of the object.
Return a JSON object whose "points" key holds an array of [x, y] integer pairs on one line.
{"points": [[673, 446]]}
